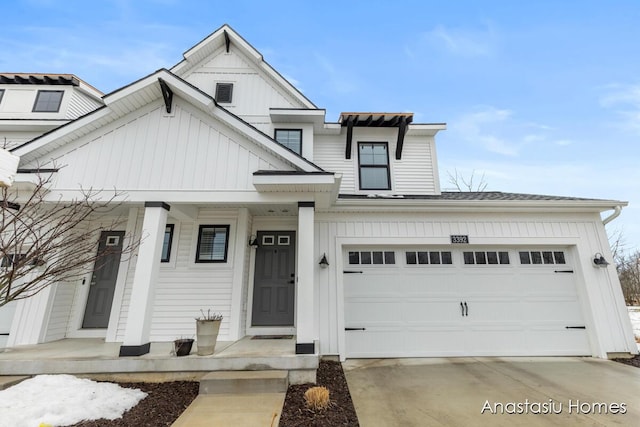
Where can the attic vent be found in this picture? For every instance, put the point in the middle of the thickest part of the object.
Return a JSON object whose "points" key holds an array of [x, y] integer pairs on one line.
{"points": [[224, 92]]}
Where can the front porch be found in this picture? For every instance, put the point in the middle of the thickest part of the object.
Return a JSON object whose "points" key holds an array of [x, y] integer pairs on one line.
{"points": [[94, 356]]}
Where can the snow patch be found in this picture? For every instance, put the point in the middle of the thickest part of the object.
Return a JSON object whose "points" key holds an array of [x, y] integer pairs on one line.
{"points": [[62, 400]]}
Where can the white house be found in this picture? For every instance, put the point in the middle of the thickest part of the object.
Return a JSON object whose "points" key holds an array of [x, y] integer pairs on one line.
{"points": [[252, 204]]}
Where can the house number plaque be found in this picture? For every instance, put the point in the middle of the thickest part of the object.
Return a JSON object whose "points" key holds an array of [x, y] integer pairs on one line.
{"points": [[459, 238]]}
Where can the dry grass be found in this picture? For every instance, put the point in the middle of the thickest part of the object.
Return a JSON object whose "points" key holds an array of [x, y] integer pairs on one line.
{"points": [[317, 398]]}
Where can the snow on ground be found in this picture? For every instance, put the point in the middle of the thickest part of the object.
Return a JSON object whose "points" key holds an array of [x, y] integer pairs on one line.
{"points": [[61, 400]]}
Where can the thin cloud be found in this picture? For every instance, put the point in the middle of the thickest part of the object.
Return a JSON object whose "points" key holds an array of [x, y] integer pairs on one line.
{"points": [[338, 81], [462, 42], [624, 101]]}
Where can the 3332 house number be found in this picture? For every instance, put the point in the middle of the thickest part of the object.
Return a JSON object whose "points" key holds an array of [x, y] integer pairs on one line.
{"points": [[459, 238]]}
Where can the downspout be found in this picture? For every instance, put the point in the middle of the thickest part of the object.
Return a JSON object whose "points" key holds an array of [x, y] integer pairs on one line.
{"points": [[616, 212]]}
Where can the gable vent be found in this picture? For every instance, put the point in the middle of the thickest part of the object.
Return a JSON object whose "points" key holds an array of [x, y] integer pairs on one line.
{"points": [[224, 92]]}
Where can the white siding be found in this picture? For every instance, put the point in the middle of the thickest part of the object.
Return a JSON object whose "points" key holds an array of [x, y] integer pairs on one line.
{"points": [[598, 290], [253, 91], [147, 150], [415, 173], [61, 311], [79, 105]]}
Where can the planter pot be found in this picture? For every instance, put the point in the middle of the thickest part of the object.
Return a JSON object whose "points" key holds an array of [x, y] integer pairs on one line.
{"points": [[182, 347], [207, 334]]}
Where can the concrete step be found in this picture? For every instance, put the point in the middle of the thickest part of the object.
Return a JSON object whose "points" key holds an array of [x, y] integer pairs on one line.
{"points": [[241, 382], [7, 381]]}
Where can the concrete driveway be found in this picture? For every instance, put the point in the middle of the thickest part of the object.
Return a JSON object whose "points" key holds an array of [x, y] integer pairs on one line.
{"points": [[568, 391]]}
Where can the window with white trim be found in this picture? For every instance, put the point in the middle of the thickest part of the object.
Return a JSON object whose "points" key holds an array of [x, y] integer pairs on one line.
{"points": [[428, 257], [486, 257], [166, 243], [290, 138], [213, 243], [542, 257], [372, 257]]}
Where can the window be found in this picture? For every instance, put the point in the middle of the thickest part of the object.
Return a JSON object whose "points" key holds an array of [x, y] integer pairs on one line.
{"points": [[290, 138], [11, 259], [224, 92], [433, 258], [166, 244], [48, 101], [213, 243], [542, 257], [483, 258], [1, 94], [374, 166], [372, 257]]}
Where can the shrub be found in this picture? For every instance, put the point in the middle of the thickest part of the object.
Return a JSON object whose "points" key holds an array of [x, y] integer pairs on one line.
{"points": [[317, 398]]}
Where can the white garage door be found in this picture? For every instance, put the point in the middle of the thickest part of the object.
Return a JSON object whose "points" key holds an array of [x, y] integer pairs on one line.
{"points": [[472, 302]]}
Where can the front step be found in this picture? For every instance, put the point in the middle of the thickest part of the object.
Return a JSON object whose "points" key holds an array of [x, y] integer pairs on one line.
{"points": [[241, 382]]}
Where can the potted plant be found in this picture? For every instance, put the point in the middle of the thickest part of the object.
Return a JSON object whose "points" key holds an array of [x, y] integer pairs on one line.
{"points": [[182, 346], [207, 327]]}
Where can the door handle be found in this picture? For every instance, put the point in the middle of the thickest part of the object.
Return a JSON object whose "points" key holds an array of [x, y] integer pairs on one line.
{"points": [[466, 309], [462, 308], [355, 329], [292, 281]]}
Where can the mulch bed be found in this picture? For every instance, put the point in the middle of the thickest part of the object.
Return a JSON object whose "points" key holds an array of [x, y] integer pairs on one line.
{"points": [[340, 413], [163, 405], [634, 361]]}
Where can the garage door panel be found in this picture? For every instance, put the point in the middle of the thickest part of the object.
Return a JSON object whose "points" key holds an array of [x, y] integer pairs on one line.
{"points": [[415, 310]]}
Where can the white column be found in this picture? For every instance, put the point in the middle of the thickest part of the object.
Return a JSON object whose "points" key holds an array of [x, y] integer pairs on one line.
{"points": [[304, 292], [136, 335]]}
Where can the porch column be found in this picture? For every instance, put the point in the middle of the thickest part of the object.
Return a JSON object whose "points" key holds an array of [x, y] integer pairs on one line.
{"points": [[136, 335], [304, 290]]}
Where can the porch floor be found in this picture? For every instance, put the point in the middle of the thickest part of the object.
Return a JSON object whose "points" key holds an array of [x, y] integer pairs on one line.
{"points": [[93, 355]]}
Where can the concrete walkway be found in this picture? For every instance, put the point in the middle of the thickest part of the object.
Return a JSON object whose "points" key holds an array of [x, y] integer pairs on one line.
{"points": [[213, 410], [494, 392]]}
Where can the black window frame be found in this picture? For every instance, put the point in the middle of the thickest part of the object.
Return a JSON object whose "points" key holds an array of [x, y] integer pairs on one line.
{"points": [[275, 136], [220, 85], [361, 166], [227, 227], [167, 258], [40, 92]]}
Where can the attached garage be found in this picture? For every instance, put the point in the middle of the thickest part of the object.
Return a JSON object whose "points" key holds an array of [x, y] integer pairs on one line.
{"points": [[453, 301]]}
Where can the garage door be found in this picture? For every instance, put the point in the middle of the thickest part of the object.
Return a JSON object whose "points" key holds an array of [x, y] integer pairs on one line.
{"points": [[404, 302]]}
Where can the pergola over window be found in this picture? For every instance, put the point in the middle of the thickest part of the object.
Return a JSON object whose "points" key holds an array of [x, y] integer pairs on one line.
{"points": [[399, 120]]}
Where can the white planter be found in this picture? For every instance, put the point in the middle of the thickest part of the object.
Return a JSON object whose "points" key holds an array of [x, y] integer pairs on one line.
{"points": [[206, 336]]}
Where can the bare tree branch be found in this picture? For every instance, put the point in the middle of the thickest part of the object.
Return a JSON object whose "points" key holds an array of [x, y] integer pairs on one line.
{"points": [[471, 183], [43, 242]]}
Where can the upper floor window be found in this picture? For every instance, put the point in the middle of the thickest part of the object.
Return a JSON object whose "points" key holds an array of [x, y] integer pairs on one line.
{"points": [[166, 243], [290, 138], [224, 92], [374, 166], [1, 94], [48, 101], [213, 243]]}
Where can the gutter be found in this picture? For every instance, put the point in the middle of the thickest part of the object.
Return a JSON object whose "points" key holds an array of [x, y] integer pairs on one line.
{"points": [[616, 212]]}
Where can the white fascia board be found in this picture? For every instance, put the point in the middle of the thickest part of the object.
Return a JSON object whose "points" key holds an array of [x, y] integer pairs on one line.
{"points": [[296, 179], [298, 115], [30, 124], [425, 128], [400, 204]]}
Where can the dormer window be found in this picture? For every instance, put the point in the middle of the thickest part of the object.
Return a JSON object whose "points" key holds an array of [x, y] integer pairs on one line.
{"points": [[48, 101], [290, 138], [373, 158], [224, 92]]}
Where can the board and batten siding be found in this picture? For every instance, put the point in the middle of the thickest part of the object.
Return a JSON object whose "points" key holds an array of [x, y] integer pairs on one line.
{"points": [[415, 173], [511, 230], [185, 287], [149, 151], [254, 92]]}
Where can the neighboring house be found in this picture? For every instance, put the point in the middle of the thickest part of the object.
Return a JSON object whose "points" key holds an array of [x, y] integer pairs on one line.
{"points": [[252, 204], [30, 105]]}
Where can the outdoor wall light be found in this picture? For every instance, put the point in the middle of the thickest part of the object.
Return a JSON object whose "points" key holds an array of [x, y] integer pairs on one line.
{"points": [[599, 261], [324, 263], [253, 241]]}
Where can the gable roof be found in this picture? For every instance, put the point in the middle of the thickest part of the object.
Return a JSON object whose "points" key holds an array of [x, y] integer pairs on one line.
{"points": [[226, 36], [140, 93]]}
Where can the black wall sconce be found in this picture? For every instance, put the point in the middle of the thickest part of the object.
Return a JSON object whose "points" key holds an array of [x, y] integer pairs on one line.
{"points": [[324, 263], [599, 261], [253, 242]]}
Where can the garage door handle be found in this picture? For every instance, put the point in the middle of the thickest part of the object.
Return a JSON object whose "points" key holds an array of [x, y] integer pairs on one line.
{"points": [[462, 308], [466, 309], [355, 329], [575, 327], [352, 272], [563, 271]]}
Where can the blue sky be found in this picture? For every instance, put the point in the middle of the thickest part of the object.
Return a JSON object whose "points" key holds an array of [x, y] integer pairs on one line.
{"points": [[541, 97]]}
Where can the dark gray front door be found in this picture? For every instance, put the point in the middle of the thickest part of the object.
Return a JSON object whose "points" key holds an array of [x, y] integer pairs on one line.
{"points": [[103, 280], [274, 279]]}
